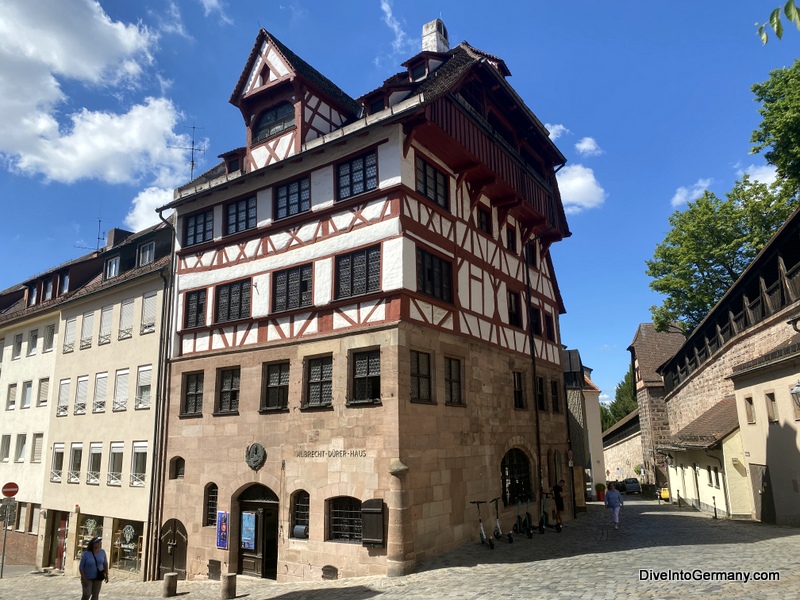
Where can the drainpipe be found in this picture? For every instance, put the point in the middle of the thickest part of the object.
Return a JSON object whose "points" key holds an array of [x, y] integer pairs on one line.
{"points": [[724, 482], [532, 342], [151, 558]]}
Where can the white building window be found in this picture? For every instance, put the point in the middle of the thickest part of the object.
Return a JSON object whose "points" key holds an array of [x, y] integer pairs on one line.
{"points": [[33, 342], [148, 313], [143, 379], [147, 253], [63, 398], [27, 393], [106, 315], [16, 351], [112, 267], [36, 452], [44, 391], [87, 326], [75, 459], [100, 391], [126, 319], [81, 394], [22, 441], [121, 391], [115, 463], [139, 464], [95, 460], [69, 335], [49, 337], [5, 448], [11, 397], [57, 465]]}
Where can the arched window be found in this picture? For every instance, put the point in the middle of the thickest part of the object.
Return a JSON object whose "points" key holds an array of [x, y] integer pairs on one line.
{"points": [[344, 519], [177, 467], [210, 505], [515, 476], [300, 510], [274, 121]]}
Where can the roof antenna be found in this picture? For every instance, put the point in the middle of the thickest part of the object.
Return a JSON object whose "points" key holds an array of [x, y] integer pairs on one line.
{"points": [[194, 148]]}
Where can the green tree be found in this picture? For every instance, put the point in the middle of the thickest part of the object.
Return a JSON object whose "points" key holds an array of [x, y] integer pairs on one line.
{"points": [[624, 403], [709, 245], [779, 132], [792, 15]]}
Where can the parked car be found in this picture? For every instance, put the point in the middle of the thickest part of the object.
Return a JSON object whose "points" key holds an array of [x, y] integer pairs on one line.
{"points": [[664, 493], [632, 486], [620, 485]]}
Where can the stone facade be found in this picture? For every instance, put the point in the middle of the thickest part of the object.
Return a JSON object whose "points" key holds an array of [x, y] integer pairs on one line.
{"points": [[622, 457]]}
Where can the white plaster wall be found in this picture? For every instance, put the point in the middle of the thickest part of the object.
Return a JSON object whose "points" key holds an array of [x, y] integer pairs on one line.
{"points": [[595, 431]]}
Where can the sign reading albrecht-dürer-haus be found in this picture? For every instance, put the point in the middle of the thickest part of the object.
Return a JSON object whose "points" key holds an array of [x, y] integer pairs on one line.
{"points": [[329, 453]]}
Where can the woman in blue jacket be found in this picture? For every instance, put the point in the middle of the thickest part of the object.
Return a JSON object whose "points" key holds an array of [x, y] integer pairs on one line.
{"points": [[614, 502], [93, 568]]}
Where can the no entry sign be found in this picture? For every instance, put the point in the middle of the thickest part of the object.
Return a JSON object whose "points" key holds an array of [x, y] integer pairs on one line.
{"points": [[10, 489]]}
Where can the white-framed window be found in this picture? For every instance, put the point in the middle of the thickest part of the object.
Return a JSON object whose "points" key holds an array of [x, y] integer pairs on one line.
{"points": [[121, 391], [11, 397], [57, 464], [143, 379], [16, 351], [69, 335], [100, 392], [126, 319], [147, 253], [22, 442], [112, 267], [27, 393], [87, 326], [139, 464], [148, 313], [49, 338], [75, 459], [36, 451], [95, 461], [33, 342], [106, 314], [5, 448], [48, 290], [81, 394], [115, 463], [63, 398], [63, 287], [44, 392]]}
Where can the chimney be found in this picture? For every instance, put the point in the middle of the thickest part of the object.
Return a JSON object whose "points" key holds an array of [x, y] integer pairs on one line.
{"points": [[117, 236], [434, 37]]}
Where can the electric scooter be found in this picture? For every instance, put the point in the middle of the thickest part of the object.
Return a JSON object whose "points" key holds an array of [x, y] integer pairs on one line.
{"points": [[498, 532], [485, 539], [523, 525], [543, 518]]}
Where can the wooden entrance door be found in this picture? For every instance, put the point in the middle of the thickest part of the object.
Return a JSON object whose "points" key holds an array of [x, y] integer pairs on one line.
{"points": [[172, 549], [58, 540], [763, 498], [258, 532]]}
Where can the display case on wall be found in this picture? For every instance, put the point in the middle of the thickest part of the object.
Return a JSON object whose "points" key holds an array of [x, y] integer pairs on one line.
{"points": [[126, 547], [89, 526]]}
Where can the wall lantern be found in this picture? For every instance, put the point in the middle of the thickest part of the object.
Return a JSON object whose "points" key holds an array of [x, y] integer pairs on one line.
{"points": [[796, 393]]}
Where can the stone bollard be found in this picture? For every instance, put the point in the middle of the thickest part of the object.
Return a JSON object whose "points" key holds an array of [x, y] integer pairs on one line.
{"points": [[228, 586], [170, 585]]}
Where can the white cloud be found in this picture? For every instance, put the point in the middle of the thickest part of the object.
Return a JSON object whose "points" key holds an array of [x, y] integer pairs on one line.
{"points": [[45, 133], [766, 174], [579, 189], [588, 147], [216, 6], [143, 210], [684, 194], [605, 398], [556, 131], [172, 22], [402, 44]]}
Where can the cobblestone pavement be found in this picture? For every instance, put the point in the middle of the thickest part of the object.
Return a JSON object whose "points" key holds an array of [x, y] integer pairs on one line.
{"points": [[589, 559]]}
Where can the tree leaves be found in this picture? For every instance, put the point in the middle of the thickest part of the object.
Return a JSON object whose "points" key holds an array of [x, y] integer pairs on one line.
{"points": [[792, 14], [709, 245]]}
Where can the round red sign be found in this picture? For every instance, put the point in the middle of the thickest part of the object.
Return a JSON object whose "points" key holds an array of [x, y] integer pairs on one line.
{"points": [[10, 489]]}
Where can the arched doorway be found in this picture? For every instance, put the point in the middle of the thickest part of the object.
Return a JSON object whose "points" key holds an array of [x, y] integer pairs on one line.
{"points": [[258, 532], [172, 549]]}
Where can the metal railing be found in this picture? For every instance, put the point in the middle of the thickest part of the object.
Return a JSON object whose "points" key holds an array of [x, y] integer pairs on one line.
{"points": [[55, 475], [114, 478], [119, 404], [137, 479], [99, 406]]}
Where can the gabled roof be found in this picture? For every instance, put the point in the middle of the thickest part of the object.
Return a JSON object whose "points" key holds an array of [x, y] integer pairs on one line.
{"points": [[652, 349], [710, 428], [300, 67], [588, 384]]}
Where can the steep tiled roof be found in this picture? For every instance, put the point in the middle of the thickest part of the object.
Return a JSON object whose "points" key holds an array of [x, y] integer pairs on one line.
{"points": [[709, 428], [652, 349], [301, 67], [589, 384]]}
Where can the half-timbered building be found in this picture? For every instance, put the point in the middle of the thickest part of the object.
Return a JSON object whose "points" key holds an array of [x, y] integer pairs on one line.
{"points": [[366, 333]]}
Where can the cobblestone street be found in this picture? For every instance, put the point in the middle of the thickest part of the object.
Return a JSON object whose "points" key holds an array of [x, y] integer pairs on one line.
{"points": [[589, 559]]}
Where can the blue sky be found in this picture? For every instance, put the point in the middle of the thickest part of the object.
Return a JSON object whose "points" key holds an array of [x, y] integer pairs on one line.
{"points": [[650, 103]]}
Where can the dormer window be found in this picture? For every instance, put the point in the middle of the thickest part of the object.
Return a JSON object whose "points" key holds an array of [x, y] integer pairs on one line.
{"points": [[48, 290], [112, 267], [64, 284], [233, 165], [33, 295], [376, 106], [147, 253], [419, 72], [274, 121]]}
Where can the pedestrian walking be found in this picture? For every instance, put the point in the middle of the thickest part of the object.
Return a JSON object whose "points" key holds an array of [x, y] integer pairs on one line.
{"points": [[614, 503], [558, 496], [93, 568]]}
